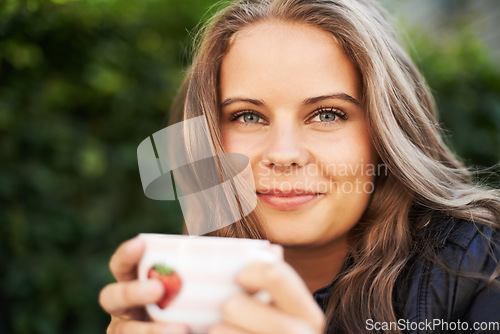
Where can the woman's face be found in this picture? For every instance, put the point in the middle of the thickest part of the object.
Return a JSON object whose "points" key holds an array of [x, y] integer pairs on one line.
{"points": [[290, 102]]}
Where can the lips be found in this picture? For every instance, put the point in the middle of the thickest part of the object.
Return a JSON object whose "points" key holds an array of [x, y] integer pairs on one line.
{"points": [[287, 200]]}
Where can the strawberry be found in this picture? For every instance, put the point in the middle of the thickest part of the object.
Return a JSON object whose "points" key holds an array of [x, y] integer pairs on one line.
{"points": [[171, 281]]}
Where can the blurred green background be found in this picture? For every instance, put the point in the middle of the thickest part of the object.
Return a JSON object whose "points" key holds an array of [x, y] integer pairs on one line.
{"points": [[82, 83]]}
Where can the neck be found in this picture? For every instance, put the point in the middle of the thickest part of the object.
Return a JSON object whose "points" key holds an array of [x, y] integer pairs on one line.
{"points": [[317, 265]]}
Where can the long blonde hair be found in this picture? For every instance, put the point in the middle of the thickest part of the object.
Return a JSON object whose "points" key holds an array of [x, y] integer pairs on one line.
{"points": [[424, 178]]}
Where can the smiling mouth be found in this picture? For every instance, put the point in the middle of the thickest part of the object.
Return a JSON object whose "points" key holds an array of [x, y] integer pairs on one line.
{"points": [[287, 200]]}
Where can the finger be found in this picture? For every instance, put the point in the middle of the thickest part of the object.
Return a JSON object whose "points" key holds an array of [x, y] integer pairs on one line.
{"points": [[288, 292], [119, 326], [243, 311], [123, 263], [118, 298]]}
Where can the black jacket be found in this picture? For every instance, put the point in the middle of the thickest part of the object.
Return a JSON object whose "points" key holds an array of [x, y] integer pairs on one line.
{"points": [[431, 299]]}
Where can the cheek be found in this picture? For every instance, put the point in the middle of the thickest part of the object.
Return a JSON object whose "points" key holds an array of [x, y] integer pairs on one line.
{"points": [[349, 153], [232, 142], [229, 141]]}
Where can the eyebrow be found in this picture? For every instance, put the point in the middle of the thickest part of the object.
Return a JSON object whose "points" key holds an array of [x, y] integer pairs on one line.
{"points": [[240, 99], [311, 100], [338, 96]]}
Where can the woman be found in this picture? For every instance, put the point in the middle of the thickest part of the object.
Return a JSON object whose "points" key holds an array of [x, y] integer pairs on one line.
{"points": [[382, 228]]}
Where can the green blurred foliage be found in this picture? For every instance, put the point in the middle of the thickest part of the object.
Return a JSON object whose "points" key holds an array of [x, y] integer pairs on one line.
{"points": [[466, 84], [82, 83]]}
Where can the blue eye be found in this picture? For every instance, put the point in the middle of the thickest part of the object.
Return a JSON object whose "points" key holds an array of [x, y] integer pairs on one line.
{"points": [[328, 116], [247, 117], [250, 118]]}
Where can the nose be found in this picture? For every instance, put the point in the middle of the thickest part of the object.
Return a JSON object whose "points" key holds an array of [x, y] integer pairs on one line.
{"points": [[285, 147]]}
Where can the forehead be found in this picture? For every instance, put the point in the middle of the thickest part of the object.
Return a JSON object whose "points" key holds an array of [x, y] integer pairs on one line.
{"points": [[272, 56], [285, 31]]}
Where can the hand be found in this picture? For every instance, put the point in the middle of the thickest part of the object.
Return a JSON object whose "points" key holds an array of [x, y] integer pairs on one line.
{"points": [[293, 310], [125, 299]]}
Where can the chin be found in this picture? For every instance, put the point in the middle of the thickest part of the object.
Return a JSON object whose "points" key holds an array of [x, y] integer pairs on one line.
{"points": [[291, 228], [288, 237]]}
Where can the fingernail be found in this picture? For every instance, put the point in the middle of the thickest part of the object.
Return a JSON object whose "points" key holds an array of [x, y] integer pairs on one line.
{"points": [[151, 288], [175, 329]]}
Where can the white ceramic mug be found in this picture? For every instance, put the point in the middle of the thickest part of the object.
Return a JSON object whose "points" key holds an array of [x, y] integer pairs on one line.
{"points": [[202, 274]]}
